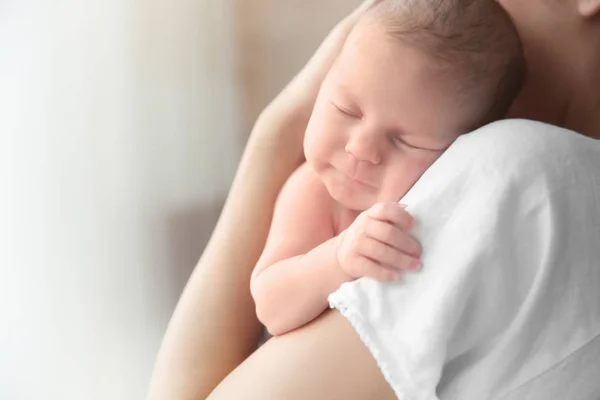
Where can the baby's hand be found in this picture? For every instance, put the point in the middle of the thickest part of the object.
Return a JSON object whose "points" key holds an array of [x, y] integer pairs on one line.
{"points": [[377, 244]]}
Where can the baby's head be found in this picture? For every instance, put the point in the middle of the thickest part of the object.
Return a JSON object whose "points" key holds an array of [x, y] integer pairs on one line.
{"points": [[412, 77]]}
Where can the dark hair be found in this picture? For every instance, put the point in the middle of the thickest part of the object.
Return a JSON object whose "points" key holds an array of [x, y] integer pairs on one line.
{"points": [[474, 41]]}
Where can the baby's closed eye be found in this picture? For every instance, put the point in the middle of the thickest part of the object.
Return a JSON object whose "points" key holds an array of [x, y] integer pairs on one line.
{"points": [[347, 111]]}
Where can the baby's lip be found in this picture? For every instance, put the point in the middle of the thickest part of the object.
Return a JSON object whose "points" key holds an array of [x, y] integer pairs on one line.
{"points": [[358, 180]]}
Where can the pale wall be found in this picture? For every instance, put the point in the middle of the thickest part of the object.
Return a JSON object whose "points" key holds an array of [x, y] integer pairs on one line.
{"points": [[276, 38], [118, 140]]}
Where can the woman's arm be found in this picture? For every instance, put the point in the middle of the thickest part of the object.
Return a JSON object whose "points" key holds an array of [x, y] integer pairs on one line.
{"points": [[203, 343], [193, 359], [323, 360]]}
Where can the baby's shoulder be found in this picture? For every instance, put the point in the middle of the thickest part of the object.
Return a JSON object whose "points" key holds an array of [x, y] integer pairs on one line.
{"points": [[304, 182], [305, 177]]}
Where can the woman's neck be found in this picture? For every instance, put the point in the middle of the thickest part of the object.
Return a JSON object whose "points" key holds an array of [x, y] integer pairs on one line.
{"points": [[582, 72], [564, 95], [563, 87]]}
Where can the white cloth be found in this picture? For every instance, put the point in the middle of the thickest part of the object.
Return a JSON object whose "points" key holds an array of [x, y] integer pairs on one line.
{"points": [[507, 305]]}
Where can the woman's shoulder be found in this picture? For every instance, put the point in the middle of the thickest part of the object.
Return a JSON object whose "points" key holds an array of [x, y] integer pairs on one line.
{"points": [[508, 220], [528, 140], [521, 148], [529, 129], [510, 159]]}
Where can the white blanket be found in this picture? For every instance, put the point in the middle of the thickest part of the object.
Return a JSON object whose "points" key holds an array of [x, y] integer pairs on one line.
{"points": [[507, 305]]}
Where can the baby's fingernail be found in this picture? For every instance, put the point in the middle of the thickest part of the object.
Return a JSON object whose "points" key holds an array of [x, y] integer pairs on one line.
{"points": [[414, 265], [402, 206], [413, 222], [393, 276]]}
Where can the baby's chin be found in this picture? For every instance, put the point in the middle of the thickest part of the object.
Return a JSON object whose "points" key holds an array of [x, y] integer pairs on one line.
{"points": [[345, 196]]}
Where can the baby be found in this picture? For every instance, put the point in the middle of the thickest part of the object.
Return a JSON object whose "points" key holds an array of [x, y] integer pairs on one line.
{"points": [[412, 77]]}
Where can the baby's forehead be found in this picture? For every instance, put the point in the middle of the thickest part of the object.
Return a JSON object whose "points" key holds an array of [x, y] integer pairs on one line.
{"points": [[472, 42], [371, 44]]}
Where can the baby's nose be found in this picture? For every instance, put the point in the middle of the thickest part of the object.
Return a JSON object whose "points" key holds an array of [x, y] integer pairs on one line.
{"points": [[364, 147]]}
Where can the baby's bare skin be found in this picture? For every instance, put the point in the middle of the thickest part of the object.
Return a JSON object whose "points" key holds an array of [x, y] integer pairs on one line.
{"points": [[380, 120]]}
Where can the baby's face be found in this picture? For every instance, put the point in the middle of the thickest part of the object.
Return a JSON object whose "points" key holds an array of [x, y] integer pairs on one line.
{"points": [[380, 120]]}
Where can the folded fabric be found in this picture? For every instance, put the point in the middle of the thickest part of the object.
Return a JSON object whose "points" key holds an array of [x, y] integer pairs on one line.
{"points": [[507, 305]]}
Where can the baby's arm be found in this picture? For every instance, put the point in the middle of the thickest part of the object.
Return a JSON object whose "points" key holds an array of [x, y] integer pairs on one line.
{"points": [[298, 268]]}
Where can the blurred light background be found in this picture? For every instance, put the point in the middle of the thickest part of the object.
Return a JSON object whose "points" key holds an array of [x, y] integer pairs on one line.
{"points": [[121, 125]]}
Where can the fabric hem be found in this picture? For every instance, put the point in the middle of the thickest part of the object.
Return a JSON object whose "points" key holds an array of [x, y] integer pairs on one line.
{"points": [[359, 324]]}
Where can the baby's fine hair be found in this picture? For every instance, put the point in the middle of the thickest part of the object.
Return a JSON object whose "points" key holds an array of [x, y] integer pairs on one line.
{"points": [[472, 41]]}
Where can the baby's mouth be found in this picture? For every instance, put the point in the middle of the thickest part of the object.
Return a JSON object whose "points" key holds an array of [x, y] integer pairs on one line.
{"points": [[357, 180]]}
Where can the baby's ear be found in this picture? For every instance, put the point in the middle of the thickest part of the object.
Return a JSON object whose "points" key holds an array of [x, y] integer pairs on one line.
{"points": [[588, 8]]}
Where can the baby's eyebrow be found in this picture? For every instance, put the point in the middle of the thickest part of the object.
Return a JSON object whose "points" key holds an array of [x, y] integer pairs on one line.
{"points": [[346, 92]]}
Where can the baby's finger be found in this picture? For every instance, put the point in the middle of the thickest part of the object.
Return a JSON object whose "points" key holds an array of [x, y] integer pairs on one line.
{"points": [[386, 255], [392, 236], [369, 268], [393, 213]]}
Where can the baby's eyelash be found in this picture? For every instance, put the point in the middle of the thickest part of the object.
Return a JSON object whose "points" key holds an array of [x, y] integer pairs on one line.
{"points": [[345, 112], [397, 140]]}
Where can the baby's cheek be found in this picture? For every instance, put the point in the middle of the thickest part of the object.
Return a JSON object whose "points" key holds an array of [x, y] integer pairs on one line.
{"points": [[311, 141], [315, 154], [322, 144], [335, 137], [395, 191], [400, 180]]}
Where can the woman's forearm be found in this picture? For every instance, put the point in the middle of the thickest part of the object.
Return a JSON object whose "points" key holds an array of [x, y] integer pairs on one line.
{"points": [[221, 279], [216, 304], [294, 291]]}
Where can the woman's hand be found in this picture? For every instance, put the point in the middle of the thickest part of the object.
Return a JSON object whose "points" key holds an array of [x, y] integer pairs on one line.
{"points": [[378, 245]]}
